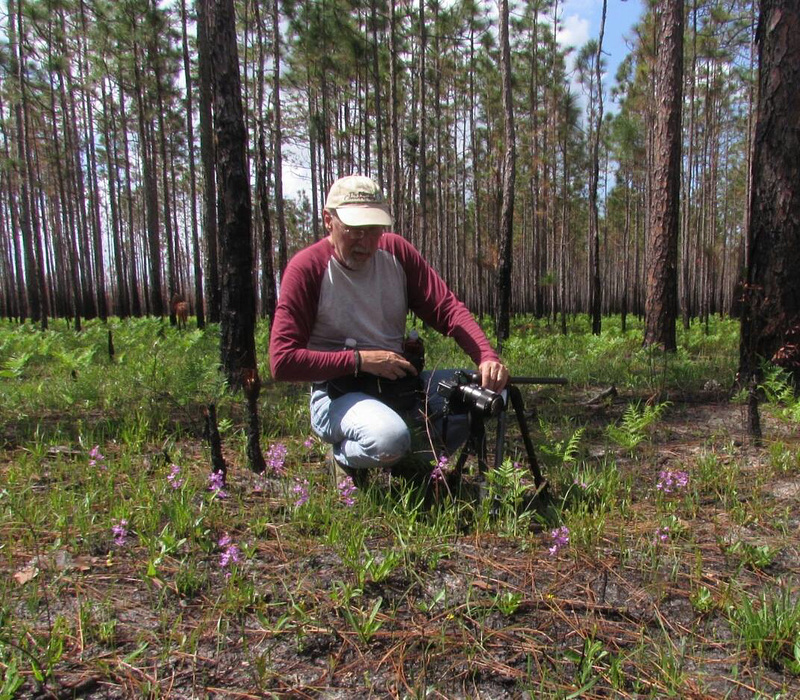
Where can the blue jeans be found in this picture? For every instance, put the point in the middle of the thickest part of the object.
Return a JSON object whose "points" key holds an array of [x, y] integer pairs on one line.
{"points": [[367, 433]]}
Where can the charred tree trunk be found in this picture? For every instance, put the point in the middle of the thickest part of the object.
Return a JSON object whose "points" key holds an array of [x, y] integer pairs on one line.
{"points": [[509, 179], [280, 216], [268, 269], [207, 159], [595, 290], [771, 314], [238, 317]]}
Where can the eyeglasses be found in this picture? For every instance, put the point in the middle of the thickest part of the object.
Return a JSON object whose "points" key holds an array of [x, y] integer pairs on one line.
{"points": [[359, 232]]}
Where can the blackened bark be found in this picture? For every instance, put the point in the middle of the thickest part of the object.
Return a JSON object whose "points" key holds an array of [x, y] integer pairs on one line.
{"points": [[268, 269], [771, 313], [214, 440], [595, 290], [235, 215], [509, 178], [238, 317], [280, 216], [207, 159], [252, 388], [662, 257]]}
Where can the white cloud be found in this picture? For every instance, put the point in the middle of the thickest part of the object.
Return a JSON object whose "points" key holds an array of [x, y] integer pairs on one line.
{"points": [[574, 31]]}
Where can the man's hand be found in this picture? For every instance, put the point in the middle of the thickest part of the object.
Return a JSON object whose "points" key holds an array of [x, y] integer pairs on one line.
{"points": [[494, 375], [386, 364]]}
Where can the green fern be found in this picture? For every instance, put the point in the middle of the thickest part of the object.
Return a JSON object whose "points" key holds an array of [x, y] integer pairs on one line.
{"points": [[635, 422], [570, 452], [781, 393], [564, 451], [14, 365]]}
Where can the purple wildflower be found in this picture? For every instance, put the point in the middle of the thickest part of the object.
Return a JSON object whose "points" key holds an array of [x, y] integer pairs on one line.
{"points": [[672, 481], [276, 456], [662, 535], [301, 489], [309, 443], [438, 473], [95, 458], [230, 553], [346, 490], [560, 539], [120, 532], [580, 483], [216, 484], [174, 477]]}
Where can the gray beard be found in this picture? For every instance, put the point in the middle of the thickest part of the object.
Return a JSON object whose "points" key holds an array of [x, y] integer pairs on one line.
{"points": [[353, 264]]}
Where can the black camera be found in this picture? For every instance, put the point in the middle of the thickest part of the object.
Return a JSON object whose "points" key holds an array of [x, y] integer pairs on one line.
{"points": [[464, 394]]}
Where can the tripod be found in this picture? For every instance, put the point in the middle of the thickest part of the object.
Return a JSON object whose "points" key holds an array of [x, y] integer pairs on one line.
{"points": [[476, 444]]}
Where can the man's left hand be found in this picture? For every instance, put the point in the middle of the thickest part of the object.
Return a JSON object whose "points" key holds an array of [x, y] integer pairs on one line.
{"points": [[494, 375]]}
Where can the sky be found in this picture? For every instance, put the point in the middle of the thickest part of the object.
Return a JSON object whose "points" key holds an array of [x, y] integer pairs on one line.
{"points": [[580, 21]]}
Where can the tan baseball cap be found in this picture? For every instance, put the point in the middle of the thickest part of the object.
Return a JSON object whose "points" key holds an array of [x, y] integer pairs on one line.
{"points": [[358, 201]]}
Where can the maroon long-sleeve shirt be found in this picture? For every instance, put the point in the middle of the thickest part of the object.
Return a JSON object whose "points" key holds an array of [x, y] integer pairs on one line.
{"points": [[322, 304]]}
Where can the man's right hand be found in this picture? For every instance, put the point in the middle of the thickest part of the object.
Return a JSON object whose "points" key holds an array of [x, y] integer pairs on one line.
{"points": [[386, 364]]}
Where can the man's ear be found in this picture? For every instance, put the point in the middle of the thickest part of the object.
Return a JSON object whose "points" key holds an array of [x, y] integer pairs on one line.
{"points": [[327, 220]]}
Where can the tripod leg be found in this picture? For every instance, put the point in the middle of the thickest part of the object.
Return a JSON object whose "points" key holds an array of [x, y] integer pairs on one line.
{"points": [[499, 445], [462, 460], [519, 409], [478, 436]]}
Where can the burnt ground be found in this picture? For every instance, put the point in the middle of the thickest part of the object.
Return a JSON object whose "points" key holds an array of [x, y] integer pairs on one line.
{"points": [[476, 615]]}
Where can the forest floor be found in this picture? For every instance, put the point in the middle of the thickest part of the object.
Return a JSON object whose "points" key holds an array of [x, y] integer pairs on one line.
{"points": [[622, 612]]}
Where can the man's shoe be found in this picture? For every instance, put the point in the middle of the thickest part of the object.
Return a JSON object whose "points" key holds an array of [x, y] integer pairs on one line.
{"points": [[339, 472]]}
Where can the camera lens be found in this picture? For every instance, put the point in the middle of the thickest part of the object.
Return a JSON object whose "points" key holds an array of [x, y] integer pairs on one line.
{"points": [[483, 400]]}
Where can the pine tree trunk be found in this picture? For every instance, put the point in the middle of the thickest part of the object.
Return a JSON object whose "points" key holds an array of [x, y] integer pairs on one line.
{"points": [[146, 149], [98, 260], [595, 291], [121, 304], [376, 80], [133, 266], [509, 179], [270, 300], [207, 158], [771, 316], [280, 215], [33, 309], [394, 117], [686, 247], [235, 214], [662, 256], [154, 61], [422, 233], [238, 319], [199, 306]]}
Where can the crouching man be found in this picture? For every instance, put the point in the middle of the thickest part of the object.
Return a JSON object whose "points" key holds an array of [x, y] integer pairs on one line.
{"points": [[340, 324]]}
